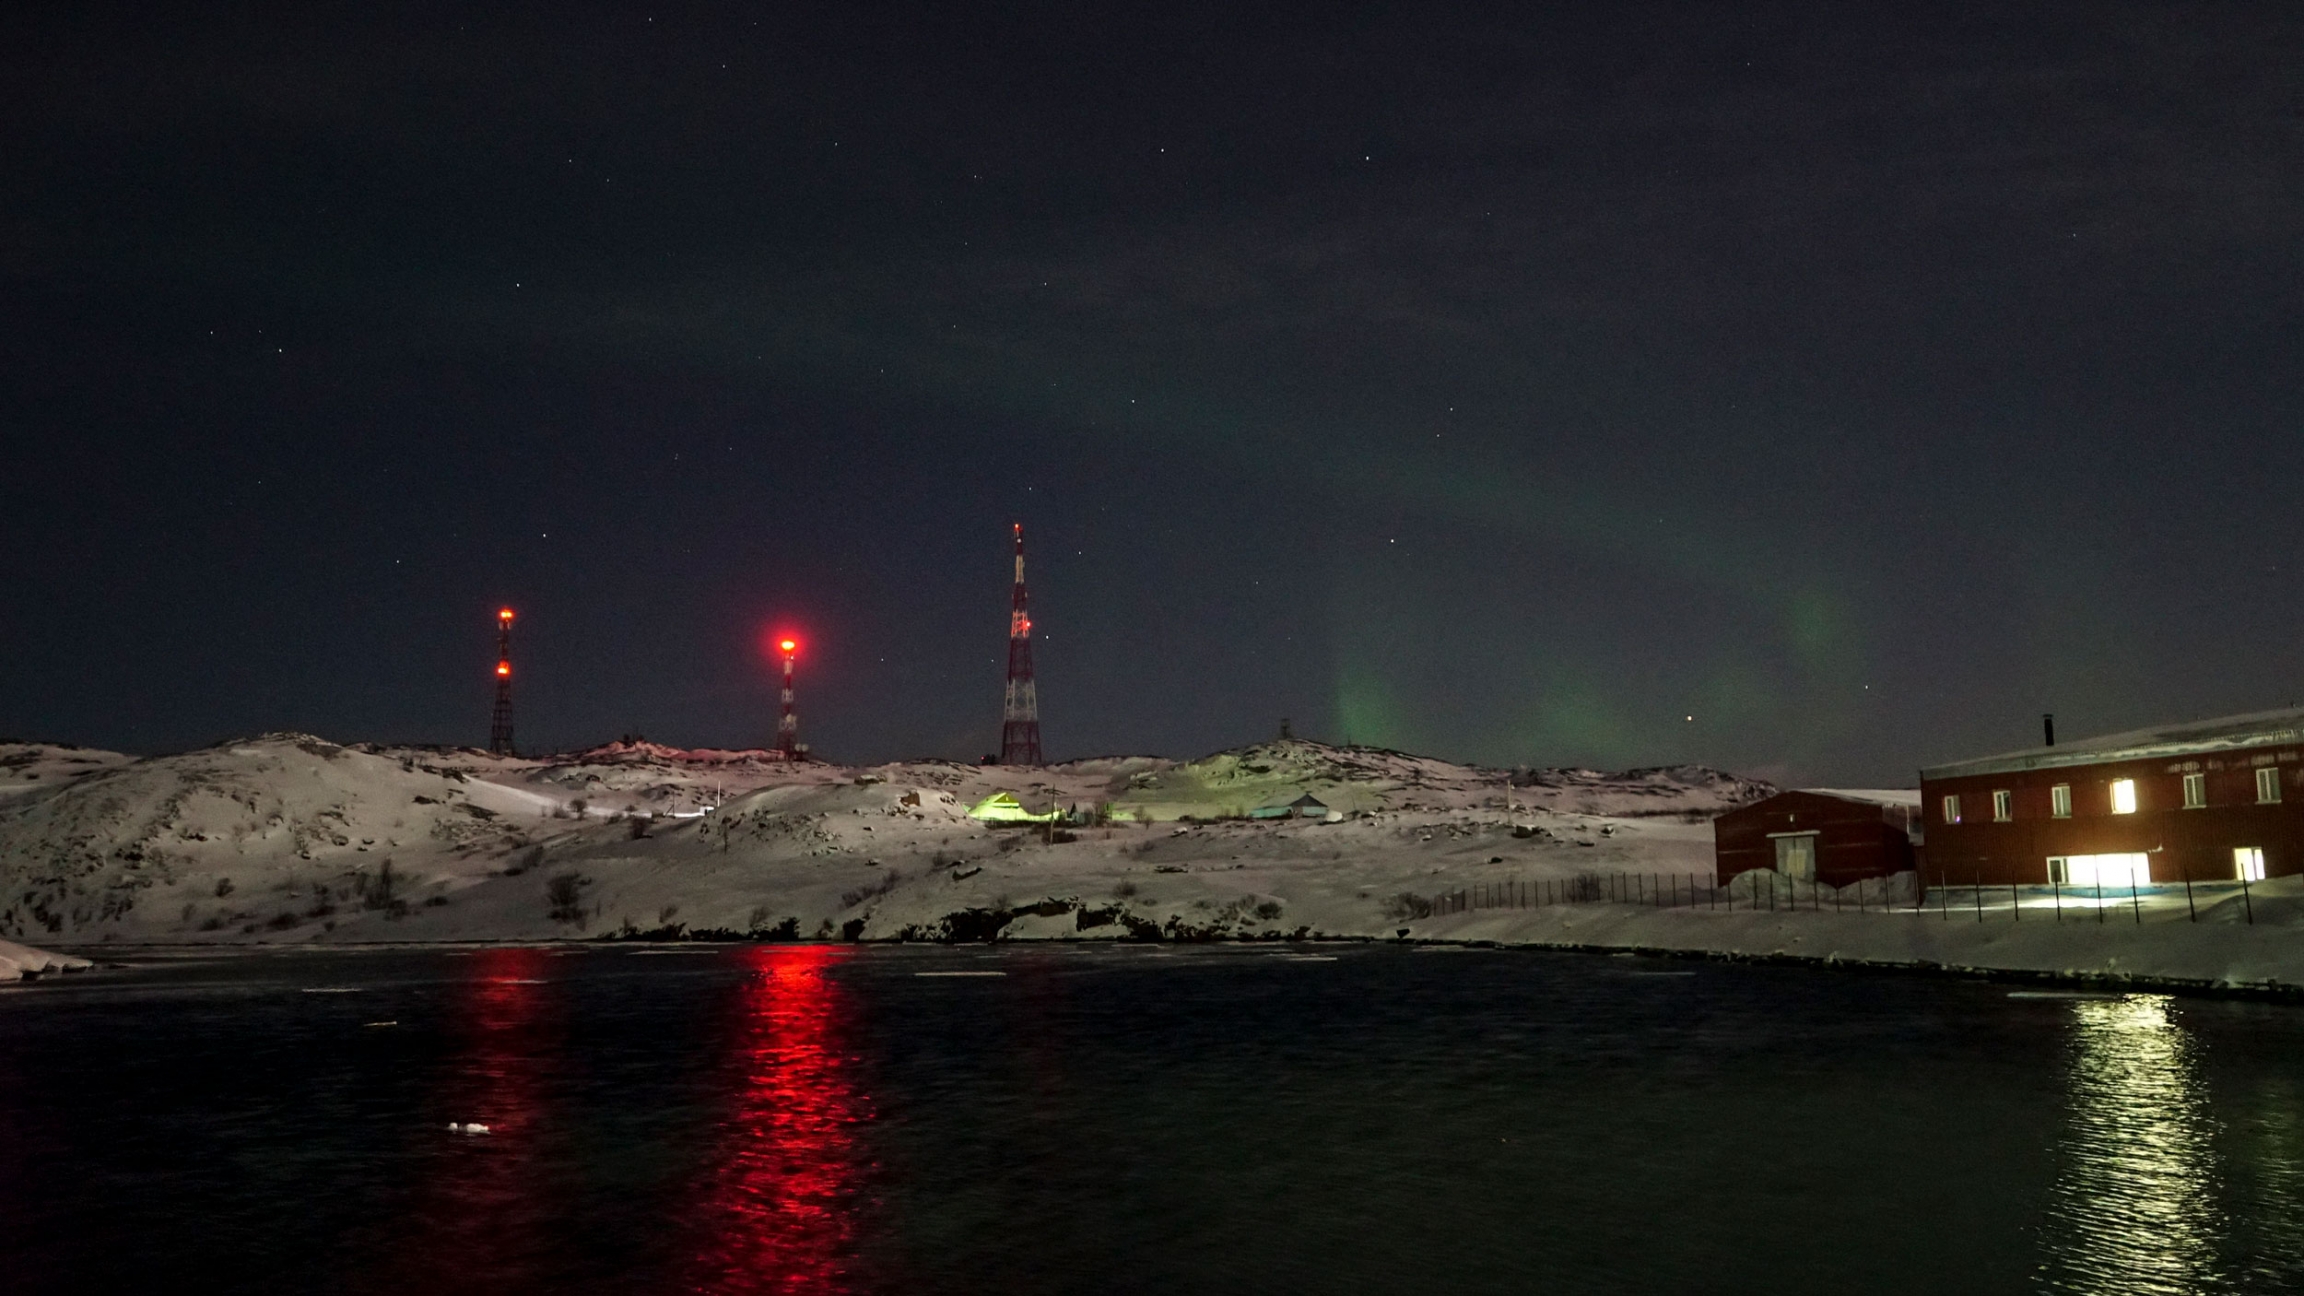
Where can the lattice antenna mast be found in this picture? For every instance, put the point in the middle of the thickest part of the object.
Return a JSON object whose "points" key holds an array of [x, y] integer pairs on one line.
{"points": [[500, 723], [788, 724], [1020, 718]]}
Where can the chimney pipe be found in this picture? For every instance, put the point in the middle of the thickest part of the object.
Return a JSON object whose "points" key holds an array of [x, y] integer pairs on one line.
{"points": [[2048, 728]]}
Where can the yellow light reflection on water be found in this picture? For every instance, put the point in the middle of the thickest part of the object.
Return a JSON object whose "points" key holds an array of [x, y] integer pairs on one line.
{"points": [[2135, 1207]]}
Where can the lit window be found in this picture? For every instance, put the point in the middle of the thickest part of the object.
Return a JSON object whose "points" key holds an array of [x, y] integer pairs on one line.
{"points": [[1951, 809], [2267, 785], [2001, 806], [2248, 863], [2123, 796], [2195, 791], [2060, 800]]}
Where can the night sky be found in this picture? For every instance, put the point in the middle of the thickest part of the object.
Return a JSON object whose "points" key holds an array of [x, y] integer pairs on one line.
{"points": [[1508, 384]]}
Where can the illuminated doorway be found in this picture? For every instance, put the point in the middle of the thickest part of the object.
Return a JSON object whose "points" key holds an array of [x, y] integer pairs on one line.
{"points": [[2131, 870]]}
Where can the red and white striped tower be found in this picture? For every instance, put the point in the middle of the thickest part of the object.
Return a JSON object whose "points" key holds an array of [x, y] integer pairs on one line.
{"points": [[500, 724], [788, 725], [1020, 719]]}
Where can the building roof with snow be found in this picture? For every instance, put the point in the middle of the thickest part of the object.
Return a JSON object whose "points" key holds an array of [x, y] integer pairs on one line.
{"points": [[2230, 733], [1871, 796]]}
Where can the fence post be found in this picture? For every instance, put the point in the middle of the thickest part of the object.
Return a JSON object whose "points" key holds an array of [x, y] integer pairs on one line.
{"points": [[2189, 907], [2099, 897], [2133, 902], [2246, 898], [2014, 906], [2056, 887], [1944, 893], [1979, 895]]}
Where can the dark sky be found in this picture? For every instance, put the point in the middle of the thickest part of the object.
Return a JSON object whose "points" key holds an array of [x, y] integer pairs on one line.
{"points": [[1505, 383]]}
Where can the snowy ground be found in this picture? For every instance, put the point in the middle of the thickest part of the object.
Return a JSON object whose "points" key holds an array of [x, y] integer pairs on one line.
{"points": [[22, 962], [288, 839]]}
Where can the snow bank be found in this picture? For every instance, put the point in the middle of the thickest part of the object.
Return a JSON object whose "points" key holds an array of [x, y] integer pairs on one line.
{"points": [[19, 962]]}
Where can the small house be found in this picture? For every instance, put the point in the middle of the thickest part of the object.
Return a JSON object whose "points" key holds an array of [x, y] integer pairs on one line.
{"points": [[1306, 806], [1831, 835]]}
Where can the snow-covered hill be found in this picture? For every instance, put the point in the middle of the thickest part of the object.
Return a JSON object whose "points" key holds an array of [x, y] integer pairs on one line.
{"points": [[30, 767], [290, 838]]}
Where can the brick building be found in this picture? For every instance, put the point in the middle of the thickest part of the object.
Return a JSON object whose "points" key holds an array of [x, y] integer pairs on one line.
{"points": [[2213, 800]]}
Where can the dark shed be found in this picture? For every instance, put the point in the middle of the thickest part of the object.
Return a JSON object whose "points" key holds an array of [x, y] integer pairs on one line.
{"points": [[1830, 835]]}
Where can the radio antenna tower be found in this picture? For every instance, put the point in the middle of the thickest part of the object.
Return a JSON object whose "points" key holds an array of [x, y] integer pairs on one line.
{"points": [[500, 724], [788, 724], [1020, 719]]}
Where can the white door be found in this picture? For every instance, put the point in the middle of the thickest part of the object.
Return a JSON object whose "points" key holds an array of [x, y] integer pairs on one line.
{"points": [[1796, 857]]}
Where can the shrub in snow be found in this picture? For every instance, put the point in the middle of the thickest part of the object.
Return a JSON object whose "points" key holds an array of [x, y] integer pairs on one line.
{"points": [[1407, 904], [851, 899], [564, 896], [380, 891]]}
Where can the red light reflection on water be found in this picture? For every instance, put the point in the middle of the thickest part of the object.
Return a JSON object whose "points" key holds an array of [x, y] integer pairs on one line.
{"points": [[484, 1219], [497, 1083], [781, 1207]]}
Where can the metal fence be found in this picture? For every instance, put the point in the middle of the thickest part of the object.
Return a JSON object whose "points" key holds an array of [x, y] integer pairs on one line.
{"points": [[1760, 890]]}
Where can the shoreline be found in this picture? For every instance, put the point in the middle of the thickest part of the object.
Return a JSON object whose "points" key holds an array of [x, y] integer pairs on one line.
{"points": [[2106, 979]]}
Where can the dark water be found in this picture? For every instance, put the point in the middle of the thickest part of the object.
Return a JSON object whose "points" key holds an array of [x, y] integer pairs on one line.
{"points": [[814, 1119]]}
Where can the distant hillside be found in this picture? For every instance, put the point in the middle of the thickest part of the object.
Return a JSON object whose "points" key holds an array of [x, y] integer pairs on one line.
{"points": [[291, 837]]}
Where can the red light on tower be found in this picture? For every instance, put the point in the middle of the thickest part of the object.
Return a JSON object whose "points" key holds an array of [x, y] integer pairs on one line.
{"points": [[788, 724], [505, 615]]}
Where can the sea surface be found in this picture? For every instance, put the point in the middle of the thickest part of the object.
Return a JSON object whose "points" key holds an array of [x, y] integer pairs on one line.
{"points": [[1268, 1119]]}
